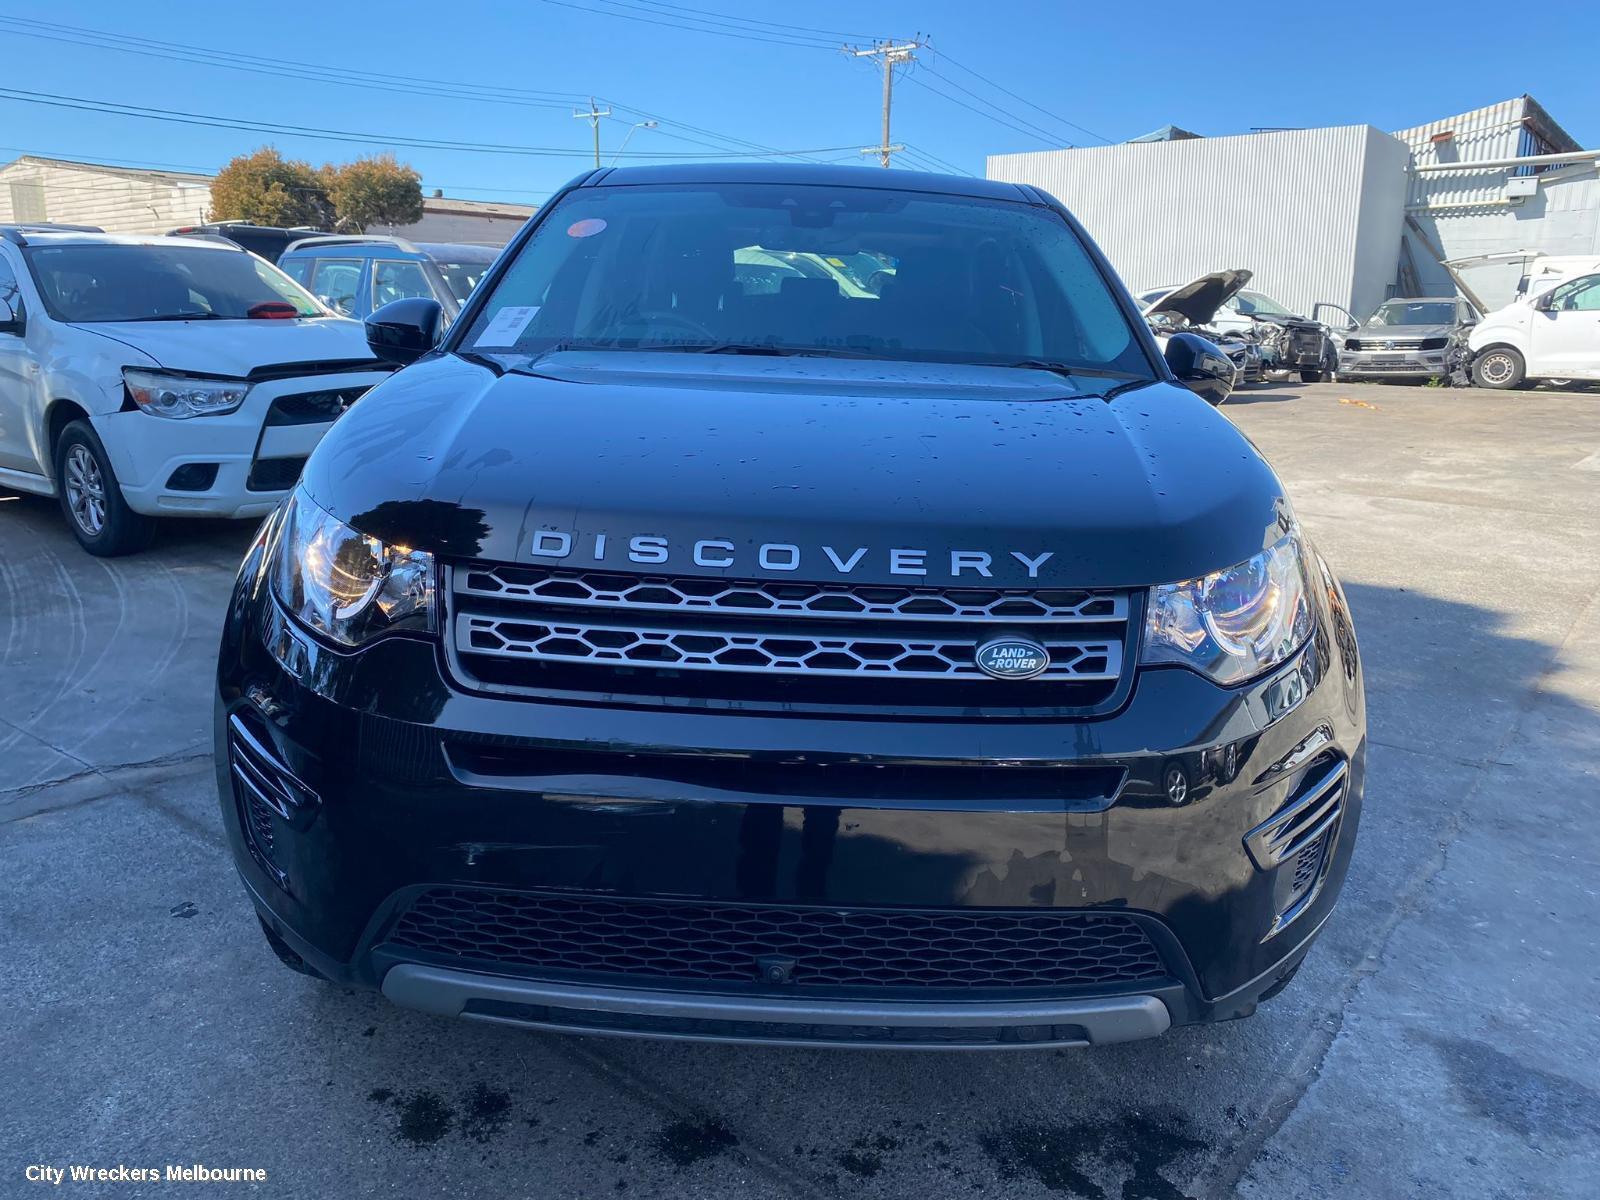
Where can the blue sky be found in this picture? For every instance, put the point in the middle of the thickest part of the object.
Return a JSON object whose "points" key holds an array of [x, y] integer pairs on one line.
{"points": [[1076, 71]]}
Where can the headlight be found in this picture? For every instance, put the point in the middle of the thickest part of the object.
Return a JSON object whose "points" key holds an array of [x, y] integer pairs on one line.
{"points": [[1233, 624], [178, 397], [346, 585]]}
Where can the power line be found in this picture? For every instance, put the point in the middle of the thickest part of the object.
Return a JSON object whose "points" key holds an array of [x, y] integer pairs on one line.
{"points": [[175, 116], [1032, 133], [319, 72], [999, 88], [755, 21], [657, 18], [1009, 117], [348, 78]]}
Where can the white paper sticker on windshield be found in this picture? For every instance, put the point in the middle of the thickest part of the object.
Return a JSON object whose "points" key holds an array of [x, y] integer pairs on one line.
{"points": [[507, 325]]}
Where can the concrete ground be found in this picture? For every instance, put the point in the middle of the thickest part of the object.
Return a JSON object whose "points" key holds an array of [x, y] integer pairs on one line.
{"points": [[1441, 1041]]}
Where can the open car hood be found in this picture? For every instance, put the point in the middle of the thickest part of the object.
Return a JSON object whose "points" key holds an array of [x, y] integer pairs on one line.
{"points": [[1197, 302]]}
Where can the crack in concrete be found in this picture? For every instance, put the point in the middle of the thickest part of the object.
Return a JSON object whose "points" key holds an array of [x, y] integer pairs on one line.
{"points": [[109, 774], [1221, 1179]]}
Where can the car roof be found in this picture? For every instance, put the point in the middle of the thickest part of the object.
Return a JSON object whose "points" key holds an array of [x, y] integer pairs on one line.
{"points": [[1422, 300], [460, 250], [813, 173], [59, 237]]}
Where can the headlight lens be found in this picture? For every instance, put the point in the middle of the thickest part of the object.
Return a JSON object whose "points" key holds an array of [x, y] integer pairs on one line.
{"points": [[346, 585], [1233, 624], [175, 396]]}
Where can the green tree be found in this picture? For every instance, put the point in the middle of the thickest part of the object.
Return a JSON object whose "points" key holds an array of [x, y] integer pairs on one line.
{"points": [[377, 190], [269, 189]]}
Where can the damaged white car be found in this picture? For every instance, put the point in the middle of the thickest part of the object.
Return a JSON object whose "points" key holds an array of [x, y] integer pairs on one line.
{"points": [[1254, 330]]}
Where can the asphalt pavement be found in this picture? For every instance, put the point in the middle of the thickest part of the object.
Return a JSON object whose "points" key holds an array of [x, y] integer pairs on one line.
{"points": [[1441, 1041]]}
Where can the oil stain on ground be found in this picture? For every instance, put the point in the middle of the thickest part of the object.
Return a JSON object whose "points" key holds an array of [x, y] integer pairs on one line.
{"points": [[1069, 1158], [486, 1111], [424, 1118], [864, 1158], [684, 1143]]}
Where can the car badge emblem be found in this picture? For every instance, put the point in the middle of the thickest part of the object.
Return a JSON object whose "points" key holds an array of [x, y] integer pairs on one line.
{"points": [[1388, 345], [1012, 658]]}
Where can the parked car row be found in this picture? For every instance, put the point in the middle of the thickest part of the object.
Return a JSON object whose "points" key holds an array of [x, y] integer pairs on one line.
{"points": [[187, 375], [1550, 333]]}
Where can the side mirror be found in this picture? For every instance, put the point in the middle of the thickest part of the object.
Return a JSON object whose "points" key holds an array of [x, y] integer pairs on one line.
{"points": [[1543, 302], [10, 322], [1200, 366], [402, 331]]}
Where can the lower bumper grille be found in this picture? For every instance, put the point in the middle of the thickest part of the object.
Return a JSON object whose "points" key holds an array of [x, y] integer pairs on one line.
{"points": [[274, 474], [815, 947]]}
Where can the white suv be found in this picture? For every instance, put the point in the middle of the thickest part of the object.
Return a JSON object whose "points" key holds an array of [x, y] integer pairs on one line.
{"points": [[144, 377]]}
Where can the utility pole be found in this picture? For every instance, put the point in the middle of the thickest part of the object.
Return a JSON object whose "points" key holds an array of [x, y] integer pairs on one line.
{"points": [[890, 54], [592, 115]]}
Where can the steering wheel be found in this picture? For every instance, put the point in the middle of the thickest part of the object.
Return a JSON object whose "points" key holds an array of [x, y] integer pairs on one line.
{"points": [[671, 316]]}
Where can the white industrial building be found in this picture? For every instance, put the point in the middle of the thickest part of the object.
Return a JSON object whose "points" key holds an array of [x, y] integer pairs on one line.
{"points": [[138, 200], [1347, 215]]}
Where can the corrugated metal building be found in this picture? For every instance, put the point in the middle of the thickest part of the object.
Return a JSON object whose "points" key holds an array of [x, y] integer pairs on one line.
{"points": [[1340, 214], [1459, 214], [138, 200], [1315, 213], [117, 199]]}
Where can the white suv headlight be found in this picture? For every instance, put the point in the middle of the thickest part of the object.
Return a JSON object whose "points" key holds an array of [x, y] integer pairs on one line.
{"points": [[1233, 624], [179, 397], [344, 584]]}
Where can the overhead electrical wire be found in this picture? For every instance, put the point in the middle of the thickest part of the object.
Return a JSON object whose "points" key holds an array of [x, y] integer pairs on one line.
{"points": [[312, 72], [180, 117], [943, 57]]}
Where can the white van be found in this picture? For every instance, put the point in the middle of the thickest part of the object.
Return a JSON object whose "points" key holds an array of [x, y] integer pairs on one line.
{"points": [[1552, 334]]}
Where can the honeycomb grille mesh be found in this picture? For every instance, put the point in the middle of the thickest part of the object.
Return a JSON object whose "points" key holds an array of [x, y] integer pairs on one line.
{"points": [[792, 650], [605, 589], [510, 618], [731, 943]]}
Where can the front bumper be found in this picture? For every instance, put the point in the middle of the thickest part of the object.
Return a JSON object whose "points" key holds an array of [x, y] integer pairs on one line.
{"points": [[611, 805], [1383, 364], [254, 463]]}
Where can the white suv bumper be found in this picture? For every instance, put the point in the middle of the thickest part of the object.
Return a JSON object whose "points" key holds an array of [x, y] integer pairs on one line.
{"points": [[256, 451]]}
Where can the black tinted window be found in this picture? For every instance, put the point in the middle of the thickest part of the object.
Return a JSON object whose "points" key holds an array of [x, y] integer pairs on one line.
{"points": [[885, 274]]}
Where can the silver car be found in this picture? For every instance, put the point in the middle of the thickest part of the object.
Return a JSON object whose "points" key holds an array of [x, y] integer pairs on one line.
{"points": [[1413, 338]]}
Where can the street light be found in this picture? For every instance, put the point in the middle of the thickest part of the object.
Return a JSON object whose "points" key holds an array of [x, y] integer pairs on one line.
{"points": [[629, 134]]}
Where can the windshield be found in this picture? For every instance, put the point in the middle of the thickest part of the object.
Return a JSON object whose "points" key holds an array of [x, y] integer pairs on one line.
{"points": [[109, 282], [1255, 304], [777, 268], [462, 277], [1415, 312]]}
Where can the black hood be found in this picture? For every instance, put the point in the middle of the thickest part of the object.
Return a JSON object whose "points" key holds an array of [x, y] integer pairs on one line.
{"points": [[787, 467]]}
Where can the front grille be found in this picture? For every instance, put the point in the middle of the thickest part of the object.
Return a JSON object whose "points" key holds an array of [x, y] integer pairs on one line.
{"points": [[795, 947], [527, 627], [312, 408]]}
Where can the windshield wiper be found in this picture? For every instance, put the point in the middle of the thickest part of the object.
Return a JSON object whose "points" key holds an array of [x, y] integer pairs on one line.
{"points": [[1067, 370], [194, 316]]}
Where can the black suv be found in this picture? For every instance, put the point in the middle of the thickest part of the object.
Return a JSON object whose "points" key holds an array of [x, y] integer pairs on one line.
{"points": [[889, 657]]}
